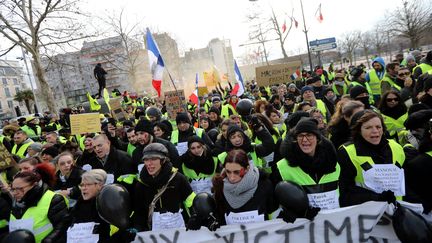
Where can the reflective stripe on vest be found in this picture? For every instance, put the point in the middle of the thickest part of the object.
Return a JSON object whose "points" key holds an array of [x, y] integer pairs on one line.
{"points": [[391, 82], [395, 125], [374, 82], [42, 226], [175, 135], [327, 182], [191, 174], [130, 149], [22, 150], [398, 158]]}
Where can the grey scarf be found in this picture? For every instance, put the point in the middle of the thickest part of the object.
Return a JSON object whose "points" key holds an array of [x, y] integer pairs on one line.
{"points": [[240, 193]]}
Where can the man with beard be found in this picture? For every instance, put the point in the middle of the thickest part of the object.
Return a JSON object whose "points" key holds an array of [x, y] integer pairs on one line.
{"points": [[375, 76]]}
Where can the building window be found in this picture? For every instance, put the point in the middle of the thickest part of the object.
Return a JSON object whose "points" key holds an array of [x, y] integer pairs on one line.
{"points": [[7, 92], [4, 81], [10, 104], [17, 90], [15, 81]]}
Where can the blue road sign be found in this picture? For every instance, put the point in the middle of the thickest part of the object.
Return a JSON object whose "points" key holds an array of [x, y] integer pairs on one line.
{"points": [[322, 41]]}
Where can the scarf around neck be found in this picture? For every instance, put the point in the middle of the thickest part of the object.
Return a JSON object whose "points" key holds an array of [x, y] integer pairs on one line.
{"points": [[240, 193]]}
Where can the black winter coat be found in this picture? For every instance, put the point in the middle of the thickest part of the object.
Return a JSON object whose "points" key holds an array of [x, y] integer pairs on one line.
{"points": [[172, 151], [72, 182], [171, 200], [57, 213], [85, 211], [86, 158], [262, 200], [118, 163], [184, 136], [350, 193]]}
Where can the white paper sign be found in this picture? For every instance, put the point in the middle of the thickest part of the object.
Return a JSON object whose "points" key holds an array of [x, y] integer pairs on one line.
{"points": [[182, 148], [341, 225], [21, 224], [161, 221], [269, 158], [110, 179], [244, 217], [324, 200], [201, 185], [383, 177], [82, 233]]}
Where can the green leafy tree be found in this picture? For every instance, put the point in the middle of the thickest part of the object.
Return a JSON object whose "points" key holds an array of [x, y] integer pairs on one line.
{"points": [[26, 96]]}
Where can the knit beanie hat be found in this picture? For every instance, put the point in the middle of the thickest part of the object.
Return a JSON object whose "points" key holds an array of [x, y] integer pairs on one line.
{"points": [[215, 110], [194, 139], [182, 117], [308, 125], [306, 88], [357, 90], [36, 147], [53, 151], [294, 118], [144, 126]]}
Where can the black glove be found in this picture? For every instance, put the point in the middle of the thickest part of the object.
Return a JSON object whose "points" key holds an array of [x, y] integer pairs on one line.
{"points": [[287, 216], [255, 123], [212, 223], [194, 223], [311, 213], [388, 196]]}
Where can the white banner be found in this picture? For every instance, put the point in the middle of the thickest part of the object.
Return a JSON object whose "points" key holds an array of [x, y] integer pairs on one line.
{"points": [[349, 224]]}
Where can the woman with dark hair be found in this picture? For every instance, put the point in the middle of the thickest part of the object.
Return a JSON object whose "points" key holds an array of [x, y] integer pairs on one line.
{"points": [[309, 160], [242, 188], [206, 124], [369, 161], [37, 208], [198, 165], [214, 115], [237, 139], [163, 129], [68, 176], [273, 156], [339, 124], [394, 112]]}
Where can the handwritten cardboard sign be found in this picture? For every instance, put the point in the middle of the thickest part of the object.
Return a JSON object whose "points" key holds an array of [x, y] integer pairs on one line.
{"points": [[117, 110], [277, 74], [85, 123], [6, 159], [175, 102]]}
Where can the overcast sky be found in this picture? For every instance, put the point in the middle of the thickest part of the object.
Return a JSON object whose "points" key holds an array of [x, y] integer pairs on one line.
{"points": [[193, 23]]}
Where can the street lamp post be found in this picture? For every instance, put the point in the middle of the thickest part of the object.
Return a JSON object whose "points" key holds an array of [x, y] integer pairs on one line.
{"points": [[307, 39]]}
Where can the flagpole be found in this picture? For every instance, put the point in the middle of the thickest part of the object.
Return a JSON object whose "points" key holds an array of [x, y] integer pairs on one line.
{"points": [[307, 39], [196, 88]]}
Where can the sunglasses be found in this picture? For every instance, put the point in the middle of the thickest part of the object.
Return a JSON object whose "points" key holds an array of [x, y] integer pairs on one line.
{"points": [[392, 99]]}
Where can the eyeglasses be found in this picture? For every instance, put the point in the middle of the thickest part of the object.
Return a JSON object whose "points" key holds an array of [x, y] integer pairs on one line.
{"points": [[18, 189], [82, 185], [392, 99], [308, 136], [404, 74]]}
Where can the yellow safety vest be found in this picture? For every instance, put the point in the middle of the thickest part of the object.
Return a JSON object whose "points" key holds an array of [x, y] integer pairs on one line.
{"points": [[398, 159], [391, 82], [175, 135], [395, 125], [258, 162], [225, 111], [374, 82], [424, 67], [22, 150], [322, 107], [191, 174], [42, 226], [369, 90]]}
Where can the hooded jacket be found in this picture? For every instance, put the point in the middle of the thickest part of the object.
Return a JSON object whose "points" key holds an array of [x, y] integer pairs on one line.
{"points": [[262, 150], [380, 74]]}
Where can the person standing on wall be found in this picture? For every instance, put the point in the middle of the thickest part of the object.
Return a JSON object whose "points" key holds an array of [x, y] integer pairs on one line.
{"points": [[100, 74]]}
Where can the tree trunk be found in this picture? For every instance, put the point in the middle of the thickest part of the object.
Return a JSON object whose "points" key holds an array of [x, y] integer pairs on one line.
{"points": [[27, 104], [283, 49], [47, 94]]}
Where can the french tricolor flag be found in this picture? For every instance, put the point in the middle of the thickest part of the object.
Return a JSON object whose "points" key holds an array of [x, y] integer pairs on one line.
{"points": [[155, 61], [194, 96], [238, 87]]}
